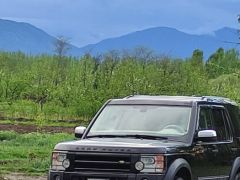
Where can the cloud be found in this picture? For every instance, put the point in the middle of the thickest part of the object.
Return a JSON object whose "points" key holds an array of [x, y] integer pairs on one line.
{"points": [[89, 21]]}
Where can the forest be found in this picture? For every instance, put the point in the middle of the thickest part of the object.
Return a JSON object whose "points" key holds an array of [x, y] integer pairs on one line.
{"points": [[49, 88]]}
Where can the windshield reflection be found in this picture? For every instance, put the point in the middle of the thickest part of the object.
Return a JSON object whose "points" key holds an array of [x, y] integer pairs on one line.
{"points": [[142, 119]]}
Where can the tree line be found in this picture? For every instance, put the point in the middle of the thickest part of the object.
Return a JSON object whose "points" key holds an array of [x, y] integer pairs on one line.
{"points": [[60, 87]]}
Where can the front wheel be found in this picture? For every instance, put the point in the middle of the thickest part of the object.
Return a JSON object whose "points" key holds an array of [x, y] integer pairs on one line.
{"points": [[178, 178], [237, 176]]}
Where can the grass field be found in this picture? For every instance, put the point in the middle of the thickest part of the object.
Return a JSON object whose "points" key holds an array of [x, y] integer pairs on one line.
{"points": [[29, 153]]}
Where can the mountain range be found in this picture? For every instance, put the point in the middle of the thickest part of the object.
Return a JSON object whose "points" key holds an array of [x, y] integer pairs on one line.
{"points": [[19, 36]]}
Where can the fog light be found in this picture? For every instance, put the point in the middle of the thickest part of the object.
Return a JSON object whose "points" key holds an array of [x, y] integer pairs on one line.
{"points": [[139, 165], [57, 177], [66, 163]]}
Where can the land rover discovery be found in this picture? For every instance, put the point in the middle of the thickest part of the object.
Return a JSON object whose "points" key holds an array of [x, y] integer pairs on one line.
{"points": [[154, 138]]}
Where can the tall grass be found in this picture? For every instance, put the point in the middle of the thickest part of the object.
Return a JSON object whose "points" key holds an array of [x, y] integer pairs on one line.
{"points": [[29, 153]]}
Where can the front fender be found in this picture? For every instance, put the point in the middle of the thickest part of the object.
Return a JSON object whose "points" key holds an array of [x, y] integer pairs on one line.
{"points": [[175, 167]]}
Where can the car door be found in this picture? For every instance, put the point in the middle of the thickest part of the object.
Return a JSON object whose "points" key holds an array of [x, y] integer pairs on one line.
{"points": [[212, 160]]}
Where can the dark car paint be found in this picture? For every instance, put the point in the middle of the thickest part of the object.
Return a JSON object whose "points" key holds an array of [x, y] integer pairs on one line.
{"points": [[207, 160], [127, 145]]}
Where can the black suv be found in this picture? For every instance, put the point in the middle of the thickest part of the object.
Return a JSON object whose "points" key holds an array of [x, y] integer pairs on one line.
{"points": [[154, 138]]}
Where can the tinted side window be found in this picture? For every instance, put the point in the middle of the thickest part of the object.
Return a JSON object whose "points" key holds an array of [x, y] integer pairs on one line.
{"points": [[214, 119], [220, 124], [234, 113], [205, 118]]}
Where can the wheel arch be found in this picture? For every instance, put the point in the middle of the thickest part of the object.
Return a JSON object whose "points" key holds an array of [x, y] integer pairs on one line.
{"points": [[235, 168], [178, 165]]}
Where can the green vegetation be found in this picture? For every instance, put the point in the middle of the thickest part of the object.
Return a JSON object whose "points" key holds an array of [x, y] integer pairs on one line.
{"points": [[29, 153], [56, 89]]}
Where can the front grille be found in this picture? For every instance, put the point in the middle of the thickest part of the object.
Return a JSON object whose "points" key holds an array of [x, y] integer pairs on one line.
{"points": [[108, 162]]}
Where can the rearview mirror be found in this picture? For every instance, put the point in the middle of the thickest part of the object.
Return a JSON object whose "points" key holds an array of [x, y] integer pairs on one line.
{"points": [[79, 131], [207, 135]]}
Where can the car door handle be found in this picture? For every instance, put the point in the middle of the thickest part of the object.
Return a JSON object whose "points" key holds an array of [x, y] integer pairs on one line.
{"points": [[234, 149], [214, 150]]}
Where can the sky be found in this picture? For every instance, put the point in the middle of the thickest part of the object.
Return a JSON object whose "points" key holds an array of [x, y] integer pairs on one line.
{"points": [[90, 21]]}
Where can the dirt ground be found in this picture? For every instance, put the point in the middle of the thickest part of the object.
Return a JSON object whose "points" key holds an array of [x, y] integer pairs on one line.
{"points": [[32, 128], [18, 176]]}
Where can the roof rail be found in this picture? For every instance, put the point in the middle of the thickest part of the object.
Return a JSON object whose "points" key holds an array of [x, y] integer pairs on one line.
{"points": [[219, 99], [204, 98], [129, 96]]}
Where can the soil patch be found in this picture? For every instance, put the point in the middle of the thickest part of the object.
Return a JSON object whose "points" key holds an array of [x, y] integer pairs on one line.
{"points": [[18, 176], [21, 119], [32, 128]]}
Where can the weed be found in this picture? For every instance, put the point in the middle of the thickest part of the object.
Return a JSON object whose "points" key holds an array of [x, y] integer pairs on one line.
{"points": [[28, 153]]}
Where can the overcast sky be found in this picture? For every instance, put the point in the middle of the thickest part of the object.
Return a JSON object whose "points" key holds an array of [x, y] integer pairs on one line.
{"points": [[89, 21]]}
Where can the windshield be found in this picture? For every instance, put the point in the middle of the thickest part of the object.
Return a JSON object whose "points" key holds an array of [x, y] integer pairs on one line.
{"points": [[152, 120]]}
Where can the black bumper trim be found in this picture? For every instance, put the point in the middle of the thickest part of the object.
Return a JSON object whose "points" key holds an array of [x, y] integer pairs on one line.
{"points": [[111, 176]]}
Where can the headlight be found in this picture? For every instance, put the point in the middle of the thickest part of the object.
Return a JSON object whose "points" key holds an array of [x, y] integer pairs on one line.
{"points": [[60, 161], [152, 163]]}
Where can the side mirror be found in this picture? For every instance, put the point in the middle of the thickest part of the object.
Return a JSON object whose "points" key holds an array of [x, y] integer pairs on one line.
{"points": [[79, 131], [207, 135]]}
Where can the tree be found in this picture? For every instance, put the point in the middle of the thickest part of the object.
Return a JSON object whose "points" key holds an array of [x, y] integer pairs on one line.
{"points": [[213, 65], [238, 18], [197, 58], [62, 45]]}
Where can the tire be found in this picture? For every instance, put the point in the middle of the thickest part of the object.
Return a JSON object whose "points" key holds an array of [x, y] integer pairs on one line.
{"points": [[181, 178], [237, 176]]}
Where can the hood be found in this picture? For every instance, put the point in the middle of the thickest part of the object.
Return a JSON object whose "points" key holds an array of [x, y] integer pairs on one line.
{"points": [[122, 145]]}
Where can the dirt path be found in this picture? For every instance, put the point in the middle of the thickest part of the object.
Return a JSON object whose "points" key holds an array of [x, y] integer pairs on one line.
{"points": [[32, 128], [18, 176]]}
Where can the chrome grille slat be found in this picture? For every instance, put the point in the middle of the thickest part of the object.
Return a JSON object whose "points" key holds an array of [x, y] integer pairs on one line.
{"points": [[99, 162]]}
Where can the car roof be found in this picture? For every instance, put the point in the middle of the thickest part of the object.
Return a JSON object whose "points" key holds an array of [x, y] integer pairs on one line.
{"points": [[172, 100]]}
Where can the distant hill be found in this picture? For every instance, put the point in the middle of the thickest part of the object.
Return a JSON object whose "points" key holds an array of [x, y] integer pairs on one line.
{"points": [[18, 36], [168, 41]]}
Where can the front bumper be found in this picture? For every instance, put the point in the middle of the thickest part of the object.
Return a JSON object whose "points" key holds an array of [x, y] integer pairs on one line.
{"points": [[104, 176]]}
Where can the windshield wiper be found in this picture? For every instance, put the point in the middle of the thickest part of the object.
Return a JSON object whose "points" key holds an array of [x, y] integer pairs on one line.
{"points": [[143, 136], [103, 136], [137, 136]]}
